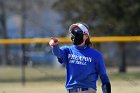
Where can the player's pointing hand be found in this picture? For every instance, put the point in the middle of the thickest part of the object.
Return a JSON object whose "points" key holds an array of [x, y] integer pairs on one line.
{"points": [[53, 42]]}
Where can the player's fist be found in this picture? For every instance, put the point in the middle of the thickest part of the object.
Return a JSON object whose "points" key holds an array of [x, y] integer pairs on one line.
{"points": [[53, 42]]}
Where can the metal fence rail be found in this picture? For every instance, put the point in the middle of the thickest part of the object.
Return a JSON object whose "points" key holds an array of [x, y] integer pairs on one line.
{"points": [[67, 40]]}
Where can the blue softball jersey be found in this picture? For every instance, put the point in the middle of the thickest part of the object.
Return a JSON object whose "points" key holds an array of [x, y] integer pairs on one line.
{"points": [[83, 66]]}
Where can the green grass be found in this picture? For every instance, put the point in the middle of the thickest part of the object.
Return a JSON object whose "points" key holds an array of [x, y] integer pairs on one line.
{"points": [[51, 80], [134, 75], [13, 74]]}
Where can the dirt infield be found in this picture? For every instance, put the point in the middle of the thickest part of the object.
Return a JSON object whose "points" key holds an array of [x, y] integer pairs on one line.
{"points": [[118, 86]]}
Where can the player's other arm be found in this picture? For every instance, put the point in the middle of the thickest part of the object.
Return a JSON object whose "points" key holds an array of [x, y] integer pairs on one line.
{"points": [[106, 86]]}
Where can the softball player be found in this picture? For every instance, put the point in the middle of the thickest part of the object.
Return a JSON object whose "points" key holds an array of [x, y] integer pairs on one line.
{"points": [[83, 63]]}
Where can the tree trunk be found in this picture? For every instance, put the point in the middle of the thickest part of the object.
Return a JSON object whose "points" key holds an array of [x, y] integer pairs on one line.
{"points": [[4, 31]]}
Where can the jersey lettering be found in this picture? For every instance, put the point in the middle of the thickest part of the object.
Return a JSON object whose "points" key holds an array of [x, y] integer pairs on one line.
{"points": [[81, 60]]}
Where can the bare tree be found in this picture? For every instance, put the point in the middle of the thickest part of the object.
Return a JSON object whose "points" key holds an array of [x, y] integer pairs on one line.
{"points": [[4, 31]]}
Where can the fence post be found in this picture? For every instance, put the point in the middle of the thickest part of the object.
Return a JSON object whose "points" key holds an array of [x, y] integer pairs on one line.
{"points": [[122, 64], [23, 4]]}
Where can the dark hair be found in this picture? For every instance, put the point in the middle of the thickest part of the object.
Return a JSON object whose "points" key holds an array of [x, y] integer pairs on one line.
{"points": [[88, 42]]}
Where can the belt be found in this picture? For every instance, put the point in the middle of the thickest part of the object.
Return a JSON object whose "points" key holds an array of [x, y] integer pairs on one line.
{"points": [[77, 89]]}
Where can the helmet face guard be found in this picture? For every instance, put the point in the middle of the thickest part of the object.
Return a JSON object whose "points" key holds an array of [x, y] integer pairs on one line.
{"points": [[77, 37]]}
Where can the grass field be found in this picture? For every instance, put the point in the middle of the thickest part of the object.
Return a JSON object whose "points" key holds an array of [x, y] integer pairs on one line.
{"points": [[50, 80]]}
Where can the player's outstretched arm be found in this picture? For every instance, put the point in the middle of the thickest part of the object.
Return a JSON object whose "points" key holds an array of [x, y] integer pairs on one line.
{"points": [[54, 43]]}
